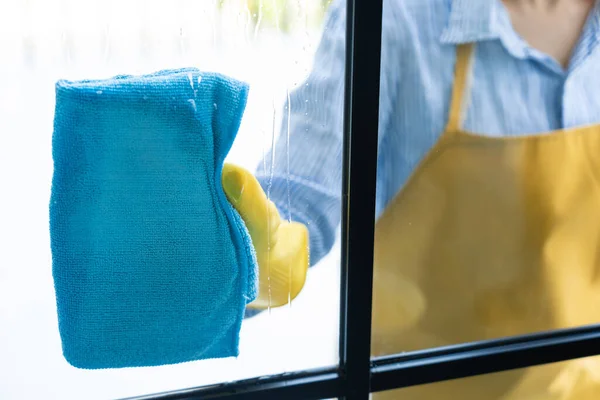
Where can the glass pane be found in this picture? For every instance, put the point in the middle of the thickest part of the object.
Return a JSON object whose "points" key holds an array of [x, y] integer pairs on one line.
{"points": [[570, 380], [487, 199], [290, 138]]}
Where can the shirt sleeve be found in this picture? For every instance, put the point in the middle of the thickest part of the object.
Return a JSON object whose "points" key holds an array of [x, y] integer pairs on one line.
{"points": [[303, 171]]}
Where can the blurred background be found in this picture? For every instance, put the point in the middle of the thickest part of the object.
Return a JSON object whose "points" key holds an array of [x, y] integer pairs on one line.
{"points": [[269, 44]]}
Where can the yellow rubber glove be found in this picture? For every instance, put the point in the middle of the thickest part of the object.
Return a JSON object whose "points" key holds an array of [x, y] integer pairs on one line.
{"points": [[281, 246]]}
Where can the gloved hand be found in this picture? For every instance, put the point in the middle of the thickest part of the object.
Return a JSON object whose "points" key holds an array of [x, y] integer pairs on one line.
{"points": [[281, 246]]}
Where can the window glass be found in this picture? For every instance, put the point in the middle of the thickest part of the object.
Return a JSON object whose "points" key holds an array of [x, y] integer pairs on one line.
{"points": [[487, 180], [289, 138]]}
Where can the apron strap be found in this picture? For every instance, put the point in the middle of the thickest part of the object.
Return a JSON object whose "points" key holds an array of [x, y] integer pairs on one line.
{"points": [[460, 95]]}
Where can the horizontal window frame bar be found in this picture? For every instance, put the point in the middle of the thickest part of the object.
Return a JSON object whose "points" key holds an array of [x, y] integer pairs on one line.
{"points": [[480, 358]]}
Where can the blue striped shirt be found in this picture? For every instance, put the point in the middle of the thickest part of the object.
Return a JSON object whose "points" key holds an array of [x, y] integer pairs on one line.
{"points": [[515, 90]]}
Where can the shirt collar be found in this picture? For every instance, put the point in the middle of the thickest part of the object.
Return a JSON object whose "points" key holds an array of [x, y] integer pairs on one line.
{"points": [[589, 39], [474, 21], [479, 20], [471, 21]]}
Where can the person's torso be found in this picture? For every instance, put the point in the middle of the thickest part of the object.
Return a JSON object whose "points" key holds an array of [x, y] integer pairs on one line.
{"points": [[516, 90]]}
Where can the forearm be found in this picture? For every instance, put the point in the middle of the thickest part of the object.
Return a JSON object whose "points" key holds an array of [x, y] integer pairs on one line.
{"points": [[302, 174]]}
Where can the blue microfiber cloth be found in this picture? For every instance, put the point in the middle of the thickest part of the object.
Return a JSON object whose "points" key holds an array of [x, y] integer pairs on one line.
{"points": [[151, 263]]}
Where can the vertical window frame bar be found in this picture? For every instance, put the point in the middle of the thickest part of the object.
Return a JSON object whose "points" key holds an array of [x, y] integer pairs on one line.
{"points": [[359, 186]]}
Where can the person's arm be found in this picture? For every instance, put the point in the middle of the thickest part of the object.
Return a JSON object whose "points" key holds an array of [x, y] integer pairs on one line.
{"points": [[304, 181], [295, 195]]}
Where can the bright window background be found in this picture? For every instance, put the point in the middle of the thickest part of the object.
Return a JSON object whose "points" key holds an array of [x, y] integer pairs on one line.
{"points": [[267, 43]]}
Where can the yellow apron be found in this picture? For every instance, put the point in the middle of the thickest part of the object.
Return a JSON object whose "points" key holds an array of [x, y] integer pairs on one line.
{"points": [[492, 237]]}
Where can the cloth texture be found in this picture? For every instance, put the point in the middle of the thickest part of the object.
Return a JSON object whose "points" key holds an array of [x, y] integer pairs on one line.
{"points": [[151, 263]]}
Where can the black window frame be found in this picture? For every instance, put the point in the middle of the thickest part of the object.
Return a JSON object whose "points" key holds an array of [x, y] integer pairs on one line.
{"points": [[357, 374]]}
